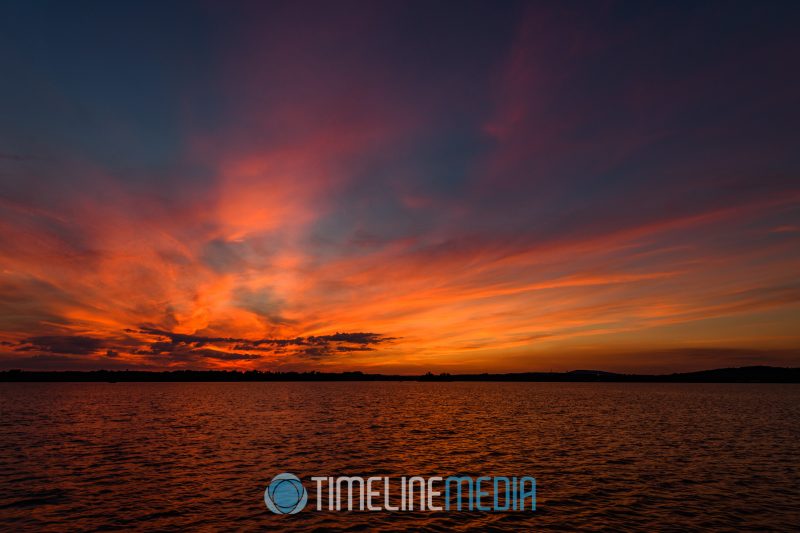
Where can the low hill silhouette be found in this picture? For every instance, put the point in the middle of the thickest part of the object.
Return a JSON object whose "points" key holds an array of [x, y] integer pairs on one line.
{"points": [[747, 374]]}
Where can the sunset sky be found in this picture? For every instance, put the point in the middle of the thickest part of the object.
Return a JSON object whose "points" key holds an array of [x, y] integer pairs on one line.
{"points": [[399, 186]]}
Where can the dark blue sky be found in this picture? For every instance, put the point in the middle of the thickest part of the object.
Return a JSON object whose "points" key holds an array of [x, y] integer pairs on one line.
{"points": [[493, 185]]}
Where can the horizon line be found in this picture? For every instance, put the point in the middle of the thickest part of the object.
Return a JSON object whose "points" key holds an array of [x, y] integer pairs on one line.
{"points": [[745, 374]]}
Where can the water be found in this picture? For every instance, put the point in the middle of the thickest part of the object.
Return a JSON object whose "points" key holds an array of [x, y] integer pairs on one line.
{"points": [[164, 456]]}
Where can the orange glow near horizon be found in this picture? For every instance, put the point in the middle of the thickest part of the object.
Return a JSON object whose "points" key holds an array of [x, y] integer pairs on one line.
{"points": [[490, 219]]}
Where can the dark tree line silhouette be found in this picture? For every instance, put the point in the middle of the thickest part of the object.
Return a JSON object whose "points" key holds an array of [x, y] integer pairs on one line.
{"points": [[750, 374]]}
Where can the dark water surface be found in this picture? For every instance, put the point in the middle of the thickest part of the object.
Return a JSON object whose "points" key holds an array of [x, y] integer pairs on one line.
{"points": [[197, 456]]}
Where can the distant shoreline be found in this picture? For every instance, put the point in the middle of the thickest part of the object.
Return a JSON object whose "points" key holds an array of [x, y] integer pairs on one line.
{"points": [[749, 374]]}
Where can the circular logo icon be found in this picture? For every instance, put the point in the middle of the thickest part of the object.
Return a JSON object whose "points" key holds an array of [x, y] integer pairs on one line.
{"points": [[285, 494]]}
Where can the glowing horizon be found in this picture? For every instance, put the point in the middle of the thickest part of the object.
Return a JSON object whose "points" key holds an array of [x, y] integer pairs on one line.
{"points": [[502, 188]]}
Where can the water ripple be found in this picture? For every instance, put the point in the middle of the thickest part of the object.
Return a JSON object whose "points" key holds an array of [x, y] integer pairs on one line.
{"points": [[197, 456]]}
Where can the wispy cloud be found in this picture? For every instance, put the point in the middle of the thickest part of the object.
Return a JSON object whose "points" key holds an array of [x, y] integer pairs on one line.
{"points": [[495, 190]]}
